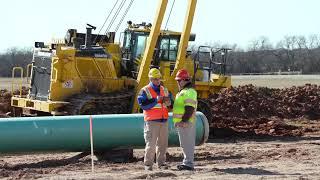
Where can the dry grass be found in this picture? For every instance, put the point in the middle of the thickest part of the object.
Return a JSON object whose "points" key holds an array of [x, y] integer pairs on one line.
{"points": [[6, 83], [276, 81]]}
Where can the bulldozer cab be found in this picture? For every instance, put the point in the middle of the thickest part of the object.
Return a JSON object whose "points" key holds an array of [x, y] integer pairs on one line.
{"points": [[134, 43]]}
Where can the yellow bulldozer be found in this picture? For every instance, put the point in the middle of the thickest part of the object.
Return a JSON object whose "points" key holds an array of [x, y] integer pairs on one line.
{"points": [[91, 74]]}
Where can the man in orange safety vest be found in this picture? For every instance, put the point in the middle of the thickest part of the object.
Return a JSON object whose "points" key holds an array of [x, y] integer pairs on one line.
{"points": [[154, 99]]}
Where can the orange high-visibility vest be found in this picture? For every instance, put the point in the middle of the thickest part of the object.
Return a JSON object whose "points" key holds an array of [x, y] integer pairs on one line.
{"points": [[159, 111]]}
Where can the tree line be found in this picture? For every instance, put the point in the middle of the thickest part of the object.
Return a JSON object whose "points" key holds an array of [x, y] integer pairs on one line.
{"points": [[292, 53], [14, 57]]}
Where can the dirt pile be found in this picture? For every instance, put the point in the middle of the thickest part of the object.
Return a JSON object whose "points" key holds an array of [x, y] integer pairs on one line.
{"points": [[262, 110], [5, 100], [5, 97]]}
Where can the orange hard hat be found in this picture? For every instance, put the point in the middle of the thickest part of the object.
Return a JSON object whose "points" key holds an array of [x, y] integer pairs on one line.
{"points": [[182, 74]]}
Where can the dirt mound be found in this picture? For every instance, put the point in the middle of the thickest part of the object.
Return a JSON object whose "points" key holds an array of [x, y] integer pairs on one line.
{"points": [[5, 100], [263, 110]]}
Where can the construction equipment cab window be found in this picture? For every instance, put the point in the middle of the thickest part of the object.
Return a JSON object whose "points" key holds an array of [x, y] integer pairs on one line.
{"points": [[135, 42], [169, 48]]}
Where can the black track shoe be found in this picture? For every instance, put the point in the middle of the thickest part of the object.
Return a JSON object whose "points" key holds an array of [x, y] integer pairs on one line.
{"points": [[184, 167]]}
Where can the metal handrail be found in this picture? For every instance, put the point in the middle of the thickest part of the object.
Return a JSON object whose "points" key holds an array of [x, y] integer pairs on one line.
{"points": [[29, 68], [13, 81]]}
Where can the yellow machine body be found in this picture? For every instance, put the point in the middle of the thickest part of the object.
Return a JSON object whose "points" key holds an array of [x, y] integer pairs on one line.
{"points": [[71, 73], [99, 68]]}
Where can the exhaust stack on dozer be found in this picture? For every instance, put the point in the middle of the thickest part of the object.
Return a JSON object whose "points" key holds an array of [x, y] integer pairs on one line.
{"points": [[88, 42]]}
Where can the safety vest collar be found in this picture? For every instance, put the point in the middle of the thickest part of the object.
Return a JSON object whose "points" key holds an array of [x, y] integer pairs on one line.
{"points": [[151, 93]]}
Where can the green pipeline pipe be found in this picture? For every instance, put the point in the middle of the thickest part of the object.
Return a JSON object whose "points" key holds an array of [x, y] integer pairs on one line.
{"points": [[72, 134]]}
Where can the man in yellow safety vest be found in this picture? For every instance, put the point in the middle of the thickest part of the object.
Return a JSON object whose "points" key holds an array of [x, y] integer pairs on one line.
{"points": [[184, 109]]}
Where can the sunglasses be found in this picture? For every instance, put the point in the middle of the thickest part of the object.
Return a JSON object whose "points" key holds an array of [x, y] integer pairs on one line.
{"points": [[183, 80]]}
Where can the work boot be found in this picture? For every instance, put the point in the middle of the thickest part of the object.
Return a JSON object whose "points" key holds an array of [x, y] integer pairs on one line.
{"points": [[163, 166], [148, 168], [184, 167]]}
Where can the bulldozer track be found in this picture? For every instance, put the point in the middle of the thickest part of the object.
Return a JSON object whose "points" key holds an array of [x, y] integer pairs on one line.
{"points": [[118, 102]]}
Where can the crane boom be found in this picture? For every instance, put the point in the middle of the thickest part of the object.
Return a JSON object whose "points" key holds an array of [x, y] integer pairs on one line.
{"points": [[185, 36], [142, 78]]}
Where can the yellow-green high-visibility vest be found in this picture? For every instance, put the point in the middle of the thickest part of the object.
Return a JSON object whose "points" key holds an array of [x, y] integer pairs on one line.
{"points": [[186, 97]]}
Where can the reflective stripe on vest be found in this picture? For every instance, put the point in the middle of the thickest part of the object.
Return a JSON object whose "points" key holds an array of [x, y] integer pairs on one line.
{"points": [[159, 111], [148, 92], [191, 102]]}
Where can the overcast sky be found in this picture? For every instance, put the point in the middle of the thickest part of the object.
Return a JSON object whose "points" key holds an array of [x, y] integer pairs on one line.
{"points": [[225, 21]]}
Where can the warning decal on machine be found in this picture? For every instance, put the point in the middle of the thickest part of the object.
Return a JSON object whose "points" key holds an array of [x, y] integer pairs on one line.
{"points": [[68, 84]]}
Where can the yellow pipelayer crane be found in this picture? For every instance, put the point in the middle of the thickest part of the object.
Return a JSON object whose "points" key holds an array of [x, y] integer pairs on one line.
{"points": [[90, 74]]}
